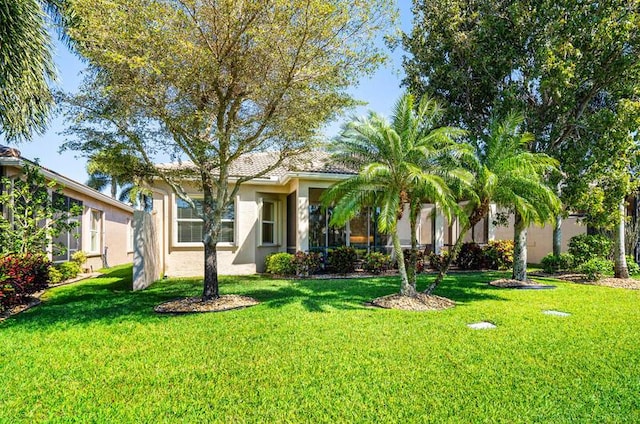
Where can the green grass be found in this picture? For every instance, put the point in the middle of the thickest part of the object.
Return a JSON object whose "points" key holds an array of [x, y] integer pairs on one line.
{"points": [[310, 352]]}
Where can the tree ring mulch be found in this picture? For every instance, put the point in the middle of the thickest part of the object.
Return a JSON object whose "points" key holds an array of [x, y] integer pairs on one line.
{"points": [[420, 302], [196, 305], [507, 283]]}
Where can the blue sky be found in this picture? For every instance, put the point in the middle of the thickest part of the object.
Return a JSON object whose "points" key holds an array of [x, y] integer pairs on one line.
{"points": [[379, 91]]}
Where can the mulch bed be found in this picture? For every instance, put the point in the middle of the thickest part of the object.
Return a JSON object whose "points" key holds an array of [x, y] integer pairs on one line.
{"points": [[196, 305], [420, 302], [620, 283], [31, 302], [507, 283]]}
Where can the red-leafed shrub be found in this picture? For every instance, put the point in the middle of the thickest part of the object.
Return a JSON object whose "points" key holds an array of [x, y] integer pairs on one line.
{"points": [[21, 276], [471, 256]]}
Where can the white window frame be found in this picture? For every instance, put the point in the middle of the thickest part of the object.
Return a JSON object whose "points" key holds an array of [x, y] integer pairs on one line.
{"points": [[98, 232], [276, 212], [175, 221]]}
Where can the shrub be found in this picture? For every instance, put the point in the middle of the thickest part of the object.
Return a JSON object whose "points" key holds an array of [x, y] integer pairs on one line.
{"points": [[632, 266], [307, 263], [551, 263], [69, 270], [499, 254], [79, 257], [55, 276], [342, 260], [594, 268], [376, 262], [471, 256], [436, 261], [420, 262], [21, 276], [587, 246], [280, 263]]}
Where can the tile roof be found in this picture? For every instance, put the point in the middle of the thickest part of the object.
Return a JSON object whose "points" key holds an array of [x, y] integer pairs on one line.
{"points": [[316, 161]]}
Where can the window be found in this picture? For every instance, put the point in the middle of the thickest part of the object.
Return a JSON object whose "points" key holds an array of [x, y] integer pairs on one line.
{"points": [[190, 228], [67, 243], [361, 232], [268, 222], [95, 232]]}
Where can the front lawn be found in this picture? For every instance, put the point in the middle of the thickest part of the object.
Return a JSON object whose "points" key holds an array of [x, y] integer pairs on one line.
{"points": [[311, 352]]}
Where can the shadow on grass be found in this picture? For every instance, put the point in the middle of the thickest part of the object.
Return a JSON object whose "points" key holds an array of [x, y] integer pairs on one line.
{"points": [[320, 295], [109, 299]]}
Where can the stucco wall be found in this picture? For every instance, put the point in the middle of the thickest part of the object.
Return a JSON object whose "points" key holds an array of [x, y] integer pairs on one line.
{"points": [[116, 231], [116, 228], [540, 240], [245, 256]]}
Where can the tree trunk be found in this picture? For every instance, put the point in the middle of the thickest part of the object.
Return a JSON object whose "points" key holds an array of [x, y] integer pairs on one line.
{"points": [[414, 213], [519, 249], [114, 188], [476, 216], [620, 268], [557, 236], [406, 289], [453, 254], [211, 287], [212, 211]]}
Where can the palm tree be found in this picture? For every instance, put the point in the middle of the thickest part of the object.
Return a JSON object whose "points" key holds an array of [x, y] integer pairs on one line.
{"points": [[507, 174], [26, 64], [115, 170], [400, 164]]}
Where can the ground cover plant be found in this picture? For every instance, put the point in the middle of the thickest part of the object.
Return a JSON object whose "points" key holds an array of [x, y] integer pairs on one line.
{"points": [[312, 352]]}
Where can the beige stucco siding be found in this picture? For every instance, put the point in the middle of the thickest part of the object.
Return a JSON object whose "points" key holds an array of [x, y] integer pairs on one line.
{"points": [[115, 228], [540, 240], [245, 255]]}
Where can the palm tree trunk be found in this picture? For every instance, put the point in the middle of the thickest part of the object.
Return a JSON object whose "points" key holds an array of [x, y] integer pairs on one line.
{"points": [[453, 254], [413, 254], [519, 249], [114, 187], [557, 236], [620, 260], [406, 289], [476, 216]]}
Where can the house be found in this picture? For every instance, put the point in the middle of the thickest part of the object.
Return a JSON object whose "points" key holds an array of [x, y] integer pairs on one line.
{"points": [[105, 230], [281, 212]]}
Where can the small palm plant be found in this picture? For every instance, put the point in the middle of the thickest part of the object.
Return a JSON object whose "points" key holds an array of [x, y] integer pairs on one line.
{"points": [[401, 163]]}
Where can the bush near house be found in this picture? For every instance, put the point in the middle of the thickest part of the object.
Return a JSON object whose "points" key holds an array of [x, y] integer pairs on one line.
{"points": [[69, 270], [342, 260], [280, 264], [632, 266], [376, 262], [471, 256], [21, 276], [587, 246], [499, 254], [307, 263], [437, 261], [596, 267], [300, 264], [552, 263], [79, 257], [55, 276]]}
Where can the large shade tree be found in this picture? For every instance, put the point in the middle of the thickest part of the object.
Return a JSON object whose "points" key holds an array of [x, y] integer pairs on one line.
{"points": [[561, 62], [207, 82], [402, 163], [26, 64]]}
